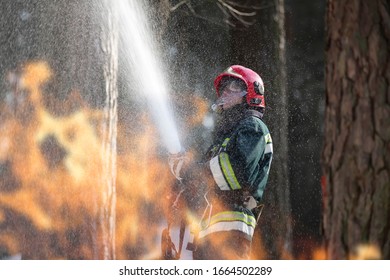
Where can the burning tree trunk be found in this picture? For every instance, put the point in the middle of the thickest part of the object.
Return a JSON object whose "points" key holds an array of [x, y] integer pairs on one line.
{"points": [[65, 56], [357, 137], [262, 48]]}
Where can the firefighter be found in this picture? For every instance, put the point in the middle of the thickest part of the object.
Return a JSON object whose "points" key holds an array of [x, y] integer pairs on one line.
{"points": [[236, 168]]}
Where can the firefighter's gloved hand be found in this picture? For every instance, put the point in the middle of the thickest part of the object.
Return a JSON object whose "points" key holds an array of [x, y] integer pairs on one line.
{"points": [[250, 202], [176, 164]]}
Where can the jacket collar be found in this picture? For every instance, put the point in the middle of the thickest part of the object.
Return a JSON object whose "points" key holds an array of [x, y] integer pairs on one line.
{"points": [[229, 119]]}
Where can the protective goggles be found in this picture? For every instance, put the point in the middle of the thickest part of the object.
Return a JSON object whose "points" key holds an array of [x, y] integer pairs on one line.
{"points": [[230, 85], [231, 91]]}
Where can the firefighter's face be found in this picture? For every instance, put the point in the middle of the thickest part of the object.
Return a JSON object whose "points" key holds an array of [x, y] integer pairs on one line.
{"points": [[231, 94]]}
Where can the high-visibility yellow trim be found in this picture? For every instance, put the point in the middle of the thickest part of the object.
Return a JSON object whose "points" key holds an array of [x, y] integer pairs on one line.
{"points": [[268, 138], [268, 144], [228, 171], [227, 226], [230, 216], [224, 144], [218, 176], [227, 221]]}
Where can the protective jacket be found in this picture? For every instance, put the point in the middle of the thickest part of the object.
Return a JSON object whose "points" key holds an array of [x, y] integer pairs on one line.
{"points": [[239, 162]]}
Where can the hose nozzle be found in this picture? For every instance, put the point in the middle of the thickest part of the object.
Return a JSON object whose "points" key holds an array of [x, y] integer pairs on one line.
{"points": [[217, 108], [176, 162]]}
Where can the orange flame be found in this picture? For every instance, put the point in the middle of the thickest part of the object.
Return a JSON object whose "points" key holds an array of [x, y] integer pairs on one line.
{"points": [[51, 184]]}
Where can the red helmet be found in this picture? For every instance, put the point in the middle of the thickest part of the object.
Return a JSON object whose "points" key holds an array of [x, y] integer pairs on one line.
{"points": [[254, 83]]}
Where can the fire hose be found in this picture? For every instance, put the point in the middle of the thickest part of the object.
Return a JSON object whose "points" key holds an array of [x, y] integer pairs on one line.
{"points": [[168, 248]]}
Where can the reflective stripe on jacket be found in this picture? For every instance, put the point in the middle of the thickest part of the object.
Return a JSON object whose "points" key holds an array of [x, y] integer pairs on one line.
{"points": [[240, 162], [222, 171], [244, 158], [227, 221]]}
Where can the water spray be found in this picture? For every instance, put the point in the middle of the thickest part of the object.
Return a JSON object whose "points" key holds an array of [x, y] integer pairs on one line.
{"points": [[141, 57]]}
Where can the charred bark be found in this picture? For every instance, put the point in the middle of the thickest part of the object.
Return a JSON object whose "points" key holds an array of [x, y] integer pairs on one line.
{"points": [[356, 152]]}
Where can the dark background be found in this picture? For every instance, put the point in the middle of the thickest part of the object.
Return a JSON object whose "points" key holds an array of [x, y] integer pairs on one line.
{"points": [[195, 48], [202, 47]]}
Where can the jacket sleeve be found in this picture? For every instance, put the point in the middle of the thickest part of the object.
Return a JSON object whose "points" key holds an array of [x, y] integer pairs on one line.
{"points": [[247, 152]]}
